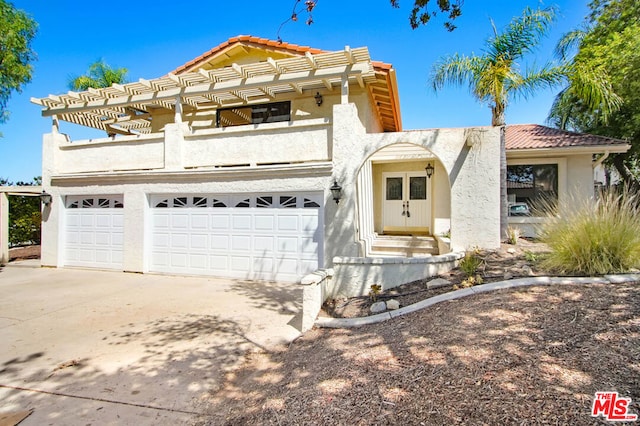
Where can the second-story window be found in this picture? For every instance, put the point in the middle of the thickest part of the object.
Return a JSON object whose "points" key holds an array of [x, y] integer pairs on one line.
{"points": [[254, 114]]}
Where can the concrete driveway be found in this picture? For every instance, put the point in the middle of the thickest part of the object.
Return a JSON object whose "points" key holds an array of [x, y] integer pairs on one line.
{"points": [[86, 347]]}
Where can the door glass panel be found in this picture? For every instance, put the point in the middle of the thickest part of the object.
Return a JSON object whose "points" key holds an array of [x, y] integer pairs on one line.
{"points": [[418, 188], [394, 188]]}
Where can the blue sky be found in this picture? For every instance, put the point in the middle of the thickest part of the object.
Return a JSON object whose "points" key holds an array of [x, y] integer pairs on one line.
{"points": [[153, 38]]}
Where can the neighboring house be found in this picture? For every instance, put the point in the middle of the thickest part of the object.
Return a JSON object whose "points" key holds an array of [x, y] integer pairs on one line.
{"points": [[226, 167]]}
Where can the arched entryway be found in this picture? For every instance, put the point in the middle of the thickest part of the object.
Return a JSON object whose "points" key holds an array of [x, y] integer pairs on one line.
{"points": [[403, 191]]}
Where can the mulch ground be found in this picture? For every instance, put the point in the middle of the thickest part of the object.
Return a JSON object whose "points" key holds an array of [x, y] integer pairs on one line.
{"points": [[524, 356], [26, 252]]}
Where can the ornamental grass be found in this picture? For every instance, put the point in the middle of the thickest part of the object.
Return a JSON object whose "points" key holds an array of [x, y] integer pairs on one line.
{"points": [[595, 238]]}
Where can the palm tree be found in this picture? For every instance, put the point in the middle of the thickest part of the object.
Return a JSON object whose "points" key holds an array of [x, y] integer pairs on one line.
{"points": [[99, 75], [496, 76]]}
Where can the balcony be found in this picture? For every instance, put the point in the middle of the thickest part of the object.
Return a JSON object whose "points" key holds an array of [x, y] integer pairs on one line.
{"points": [[179, 148]]}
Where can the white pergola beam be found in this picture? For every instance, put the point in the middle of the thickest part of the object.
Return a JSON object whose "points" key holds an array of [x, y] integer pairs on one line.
{"points": [[168, 95]]}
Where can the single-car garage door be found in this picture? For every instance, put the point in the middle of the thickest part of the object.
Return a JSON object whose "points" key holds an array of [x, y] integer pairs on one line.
{"points": [[93, 231], [265, 236]]}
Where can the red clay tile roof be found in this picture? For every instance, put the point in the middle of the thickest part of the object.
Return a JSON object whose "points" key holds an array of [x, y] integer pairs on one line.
{"points": [[535, 136], [282, 46]]}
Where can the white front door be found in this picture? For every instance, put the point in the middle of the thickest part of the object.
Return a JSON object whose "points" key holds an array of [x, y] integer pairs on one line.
{"points": [[406, 202]]}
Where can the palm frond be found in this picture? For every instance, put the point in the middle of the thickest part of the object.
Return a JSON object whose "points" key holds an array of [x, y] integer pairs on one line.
{"points": [[534, 78], [569, 42], [456, 69], [522, 34]]}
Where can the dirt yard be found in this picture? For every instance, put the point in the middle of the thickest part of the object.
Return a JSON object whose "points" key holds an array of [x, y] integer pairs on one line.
{"points": [[26, 252], [523, 356], [526, 356]]}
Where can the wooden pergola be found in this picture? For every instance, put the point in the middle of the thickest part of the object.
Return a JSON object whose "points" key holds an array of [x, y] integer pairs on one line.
{"points": [[128, 108]]}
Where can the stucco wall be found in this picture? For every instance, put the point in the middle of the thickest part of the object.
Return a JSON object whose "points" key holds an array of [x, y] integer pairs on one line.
{"points": [[469, 156], [130, 153]]}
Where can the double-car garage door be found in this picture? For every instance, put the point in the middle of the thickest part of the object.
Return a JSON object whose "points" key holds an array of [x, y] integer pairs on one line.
{"points": [[252, 236]]}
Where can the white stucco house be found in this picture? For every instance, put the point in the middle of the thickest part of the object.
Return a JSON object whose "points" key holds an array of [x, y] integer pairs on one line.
{"points": [[226, 166]]}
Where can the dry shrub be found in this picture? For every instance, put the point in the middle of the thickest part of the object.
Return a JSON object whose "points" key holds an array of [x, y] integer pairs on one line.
{"points": [[595, 238]]}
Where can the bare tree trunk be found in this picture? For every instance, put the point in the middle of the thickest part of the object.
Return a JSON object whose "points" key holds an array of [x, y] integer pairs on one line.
{"points": [[504, 200], [497, 119], [629, 179]]}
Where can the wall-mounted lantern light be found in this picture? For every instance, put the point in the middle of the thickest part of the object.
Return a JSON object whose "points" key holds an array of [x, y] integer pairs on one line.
{"points": [[336, 191], [318, 98], [429, 169], [45, 198]]}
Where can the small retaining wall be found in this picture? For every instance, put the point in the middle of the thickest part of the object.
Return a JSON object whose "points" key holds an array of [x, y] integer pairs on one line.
{"points": [[353, 276], [314, 292]]}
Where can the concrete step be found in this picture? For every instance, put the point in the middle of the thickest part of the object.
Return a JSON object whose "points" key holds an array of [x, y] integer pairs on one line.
{"points": [[405, 246]]}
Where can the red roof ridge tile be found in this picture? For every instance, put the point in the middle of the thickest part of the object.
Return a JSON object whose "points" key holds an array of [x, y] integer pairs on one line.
{"points": [[265, 42]]}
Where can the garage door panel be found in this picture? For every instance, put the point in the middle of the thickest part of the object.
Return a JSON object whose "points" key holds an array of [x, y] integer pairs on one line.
{"points": [[117, 239], [219, 263], [241, 222], [117, 256], [264, 222], [87, 220], [251, 237], [198, 261], [180, 241], [87, 238], [102, 239], [241, 243], [263, 244], [199, 241], [179, 260], [220, 221], [200, 221], [220, 242], [287, 245], [103, 221], [240, 263], [180, 221], [161, 221], [288, 222]]}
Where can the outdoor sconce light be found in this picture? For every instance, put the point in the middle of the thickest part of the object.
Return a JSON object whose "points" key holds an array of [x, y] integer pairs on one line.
{"points": [[429, 169], [45, 198], [336, 191], [318, 98]]}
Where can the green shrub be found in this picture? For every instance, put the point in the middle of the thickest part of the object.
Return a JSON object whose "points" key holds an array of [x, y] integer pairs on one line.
{"points": [[470, 263], [513, 235], [595, 238]]}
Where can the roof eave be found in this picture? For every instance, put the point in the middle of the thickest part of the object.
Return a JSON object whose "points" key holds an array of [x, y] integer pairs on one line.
{"points": [[570, 150]]}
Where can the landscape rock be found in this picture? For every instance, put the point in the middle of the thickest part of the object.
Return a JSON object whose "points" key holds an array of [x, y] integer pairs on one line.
{"points": [[437, 283], [526, 270], [511, 250], [393, 304], [508, 275], [378, 307]]}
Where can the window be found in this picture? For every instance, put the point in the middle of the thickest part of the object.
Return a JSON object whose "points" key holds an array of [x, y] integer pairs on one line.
{"points": [[254, 114], [531, 187]]}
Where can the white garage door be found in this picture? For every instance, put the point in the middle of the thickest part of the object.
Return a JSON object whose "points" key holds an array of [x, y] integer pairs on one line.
{"points": [[93, 235], [269, 237]]}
